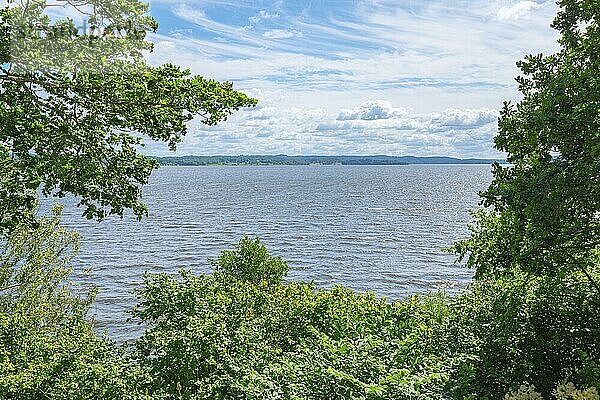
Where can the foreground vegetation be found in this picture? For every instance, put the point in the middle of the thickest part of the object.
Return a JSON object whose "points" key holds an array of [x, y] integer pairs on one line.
{"points": [[528, 327], [242, 333]]}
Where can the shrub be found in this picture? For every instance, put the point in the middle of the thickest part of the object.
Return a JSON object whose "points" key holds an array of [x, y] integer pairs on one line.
{"points": [[565, 391], [523, 328], [226, 336], [251, 262], [48, 348]]}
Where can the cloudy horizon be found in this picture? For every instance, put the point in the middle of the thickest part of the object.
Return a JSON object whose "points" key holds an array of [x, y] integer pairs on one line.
{"points": [[359, 77]]}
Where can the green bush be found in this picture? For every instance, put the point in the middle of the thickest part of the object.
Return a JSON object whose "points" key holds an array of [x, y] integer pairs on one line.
{"points": [[564, 391], [226, 336], [251, 262], [241, 333], [48, 349], [523, 328]]}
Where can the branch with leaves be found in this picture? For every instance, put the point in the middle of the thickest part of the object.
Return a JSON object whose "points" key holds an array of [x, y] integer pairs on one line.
{"points": [[75, 108]]}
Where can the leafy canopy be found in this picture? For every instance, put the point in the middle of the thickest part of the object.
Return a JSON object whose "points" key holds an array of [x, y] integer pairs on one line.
{"points": [[48, 347], [251, 261], [76, 104], [524, 328], [240, 333], [532, 313], [545, 206]]}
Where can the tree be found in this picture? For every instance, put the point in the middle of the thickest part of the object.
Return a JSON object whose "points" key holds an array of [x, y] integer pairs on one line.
{"points": [[522, 328], [545, 206], [251, 262], [75, 105], [48, 348], [532, 312]]}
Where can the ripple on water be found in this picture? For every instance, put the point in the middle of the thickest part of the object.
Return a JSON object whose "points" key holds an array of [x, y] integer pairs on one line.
{"points": [[377, 228]]}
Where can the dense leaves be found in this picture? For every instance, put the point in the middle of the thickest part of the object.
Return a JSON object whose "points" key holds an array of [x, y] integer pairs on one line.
{"points": [[75, 106], [532, 315], [564, 391], [227, 336], [251, 262], [48, 348], [242, 333], [546, 204], [524, 328], [528, 324]]}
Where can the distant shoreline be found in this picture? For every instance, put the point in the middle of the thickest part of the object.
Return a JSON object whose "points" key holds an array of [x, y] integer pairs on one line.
{"points": [[284, 160]]}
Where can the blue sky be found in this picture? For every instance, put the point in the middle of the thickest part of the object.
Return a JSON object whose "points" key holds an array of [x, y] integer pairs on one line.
{"points": [[403, 77]]}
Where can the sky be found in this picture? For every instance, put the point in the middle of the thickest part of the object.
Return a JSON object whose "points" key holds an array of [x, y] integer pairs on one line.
{"points": [[354, 77]]}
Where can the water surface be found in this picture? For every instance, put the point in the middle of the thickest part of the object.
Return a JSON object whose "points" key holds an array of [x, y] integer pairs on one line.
{"points": [[375, 228]]}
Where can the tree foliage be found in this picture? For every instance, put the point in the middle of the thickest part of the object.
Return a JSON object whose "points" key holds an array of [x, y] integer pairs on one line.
{"points": [[76, 105], [250, 261], [73, 126], [227, 336], [521, 328], [545, 214], [532, 313], [48, 348], [564, 391]]}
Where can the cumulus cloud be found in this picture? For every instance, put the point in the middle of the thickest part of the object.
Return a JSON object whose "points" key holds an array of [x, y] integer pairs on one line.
{"points": [[380, 115], [461, 119], [316, 64], [411, 123], [312, 130], [257, 94], [520, 10], [372, 110], [421, 53]]}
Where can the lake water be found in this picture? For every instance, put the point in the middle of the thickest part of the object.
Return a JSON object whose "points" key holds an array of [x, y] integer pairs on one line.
{"points": [[371, 228]]}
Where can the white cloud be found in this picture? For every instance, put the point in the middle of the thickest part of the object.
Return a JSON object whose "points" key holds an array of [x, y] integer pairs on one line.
{"points": [[257, 94], [281, 34], [263, 15], [273, 129], [432, 61], [451, 63], [520, 10], [372, 110], [461, 119]]}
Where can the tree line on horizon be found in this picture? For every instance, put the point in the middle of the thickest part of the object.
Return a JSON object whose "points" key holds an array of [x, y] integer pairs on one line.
{"points": [[282, 159]]}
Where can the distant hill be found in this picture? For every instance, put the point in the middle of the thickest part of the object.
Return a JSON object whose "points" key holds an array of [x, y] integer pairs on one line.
{"points": [[317, 160]]}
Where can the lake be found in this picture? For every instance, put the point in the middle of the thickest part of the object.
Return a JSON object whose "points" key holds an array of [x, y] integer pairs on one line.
{"points": [[371, 228]]}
